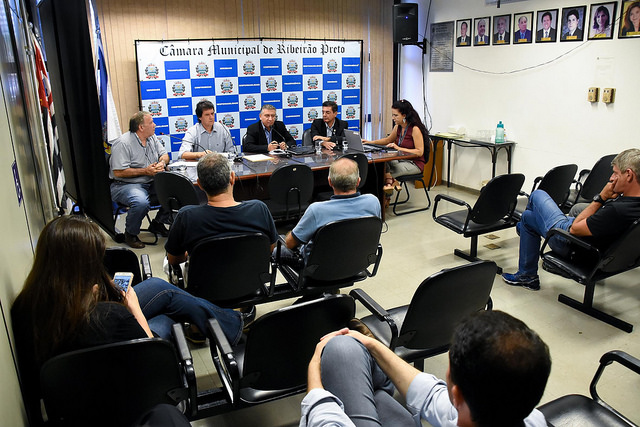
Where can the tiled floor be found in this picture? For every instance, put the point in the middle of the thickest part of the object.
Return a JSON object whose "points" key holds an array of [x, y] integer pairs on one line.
{"points": [[415, 247]]}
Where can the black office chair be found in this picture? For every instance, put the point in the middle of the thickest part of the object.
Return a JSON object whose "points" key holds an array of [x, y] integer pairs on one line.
{"points": [[590, 182], [588, 265], [119, 209], [424, 327], [555, 183], [114, 384], [492, 212], [342, 253], [290, 189], [578, 410], [404, 180], [270, 362], [174, 191], [306, 138], [118, 259], [233, 271], [363, 170]]}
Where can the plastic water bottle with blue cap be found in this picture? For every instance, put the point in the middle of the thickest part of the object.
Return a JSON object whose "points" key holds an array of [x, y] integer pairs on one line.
{"points": [[500, 133]]}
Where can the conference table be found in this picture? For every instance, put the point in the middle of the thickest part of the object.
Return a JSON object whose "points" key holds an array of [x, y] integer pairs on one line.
{"points": [[253, 176], [459, 141]]}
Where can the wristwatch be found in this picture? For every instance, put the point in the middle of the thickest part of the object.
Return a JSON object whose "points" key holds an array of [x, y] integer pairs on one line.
{"points": [[598, 199]]}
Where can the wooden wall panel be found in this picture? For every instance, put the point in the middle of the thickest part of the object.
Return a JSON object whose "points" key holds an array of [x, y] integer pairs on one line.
{"points": [[124, 21]]}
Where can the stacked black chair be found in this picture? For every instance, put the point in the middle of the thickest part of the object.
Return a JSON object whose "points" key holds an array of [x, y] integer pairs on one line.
{"points": [[590, 182], [578, 410], [363, 170], [342, 253], [424, 327], [290, 191], [174, 191], [270, 362], [588, 265], [555, 183], [492, 211]]}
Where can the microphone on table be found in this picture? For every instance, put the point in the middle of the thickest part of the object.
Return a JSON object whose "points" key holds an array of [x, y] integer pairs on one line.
{"points": [[195, 144], [283, 138]]}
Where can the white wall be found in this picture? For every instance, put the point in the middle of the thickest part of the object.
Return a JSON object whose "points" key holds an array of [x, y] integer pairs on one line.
{"points": [[545, 109]]}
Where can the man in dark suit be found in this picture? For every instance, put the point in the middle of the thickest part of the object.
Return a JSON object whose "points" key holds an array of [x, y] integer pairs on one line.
{"points": [[546, 33], [267, 134], [524, 35], [502, 36], [481, 38], [573, 24], [464, 39], [329, 127]]}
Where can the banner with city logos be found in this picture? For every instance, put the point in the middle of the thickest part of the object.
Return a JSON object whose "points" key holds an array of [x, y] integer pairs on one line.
{"points": [[238, 76]]}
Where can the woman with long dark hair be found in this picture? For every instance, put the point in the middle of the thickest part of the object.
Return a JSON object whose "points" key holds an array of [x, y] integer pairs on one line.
{"points": [[631, 26], [69, 302], [409, 135]]}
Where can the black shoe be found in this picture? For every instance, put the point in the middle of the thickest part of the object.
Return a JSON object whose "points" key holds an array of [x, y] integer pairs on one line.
{"points": [[133, 241], [193, 335], [248, 315], [158, 228]]}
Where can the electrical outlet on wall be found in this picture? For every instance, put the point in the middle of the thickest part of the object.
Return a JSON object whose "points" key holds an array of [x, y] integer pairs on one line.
{"points": [[592, 94], [608, 94]]}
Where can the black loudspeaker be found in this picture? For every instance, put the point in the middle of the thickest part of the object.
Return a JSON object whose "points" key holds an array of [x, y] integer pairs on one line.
{"points": [[405, 23]]}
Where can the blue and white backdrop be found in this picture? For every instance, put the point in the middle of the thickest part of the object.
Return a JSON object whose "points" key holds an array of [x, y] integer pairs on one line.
{"points": [[238, 76]]}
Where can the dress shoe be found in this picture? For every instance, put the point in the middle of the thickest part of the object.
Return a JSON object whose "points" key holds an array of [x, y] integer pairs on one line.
{"points": [[133, 241], [158, 228]]}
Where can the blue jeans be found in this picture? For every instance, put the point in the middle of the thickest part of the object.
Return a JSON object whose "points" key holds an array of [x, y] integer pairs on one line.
{"points": [[351, 374], [164, 304], [542, 214], [138, 198]]}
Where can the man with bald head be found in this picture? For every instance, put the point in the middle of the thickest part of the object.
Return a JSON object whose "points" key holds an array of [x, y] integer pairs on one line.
{"points": [[345, 203]]}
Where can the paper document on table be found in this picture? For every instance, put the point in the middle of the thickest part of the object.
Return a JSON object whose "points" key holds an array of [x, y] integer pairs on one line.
{"points": [[448, 135], [185, 163], [257, 158]]}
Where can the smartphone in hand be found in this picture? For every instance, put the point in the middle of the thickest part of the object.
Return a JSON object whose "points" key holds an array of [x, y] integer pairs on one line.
{"points": [[123, 280]]}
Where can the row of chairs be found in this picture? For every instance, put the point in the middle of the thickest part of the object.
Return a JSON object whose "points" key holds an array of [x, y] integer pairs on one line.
{"points": [[498, 207]]}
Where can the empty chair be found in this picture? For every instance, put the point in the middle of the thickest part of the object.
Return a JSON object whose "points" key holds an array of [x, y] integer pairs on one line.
{"points": [[424, 327], [363, 170], [271, 360], [290, 191], [118, 259], [175, 191], [341, 254], [77, 387], [492, 211], [590, 265], [555, 183], [578, 410], [306, 138], [590, 182], [232, 271]]}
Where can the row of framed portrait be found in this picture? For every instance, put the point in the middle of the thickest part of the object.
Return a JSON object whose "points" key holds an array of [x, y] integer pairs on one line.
{"points": [[571, 25]]}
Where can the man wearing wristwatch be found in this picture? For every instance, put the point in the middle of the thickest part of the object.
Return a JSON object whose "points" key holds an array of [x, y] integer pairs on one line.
{"points": [[608, 216]]}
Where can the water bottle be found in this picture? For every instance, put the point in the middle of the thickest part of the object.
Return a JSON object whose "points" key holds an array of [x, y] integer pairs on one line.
{"points": [[500, 133]]}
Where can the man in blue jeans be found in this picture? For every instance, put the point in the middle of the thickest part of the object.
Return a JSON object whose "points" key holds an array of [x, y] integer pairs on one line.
{"points": [[608, 216]]}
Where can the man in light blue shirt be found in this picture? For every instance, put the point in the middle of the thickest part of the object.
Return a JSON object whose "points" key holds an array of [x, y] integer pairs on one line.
{"points": [[206, 136]]}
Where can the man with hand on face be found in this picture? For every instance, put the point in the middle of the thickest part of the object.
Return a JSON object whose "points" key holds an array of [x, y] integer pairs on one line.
{"points": [[206, 136], [135, 158], [267, 134], [329, 127], [608, 216]]}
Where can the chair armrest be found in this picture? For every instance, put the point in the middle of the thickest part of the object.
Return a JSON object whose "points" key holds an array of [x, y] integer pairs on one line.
{"points": [[377, 262], [607, 359], [536, 182], [450, 199], [175, 276], [145, 263], [180, 342], [376, 309], [574, 240], [224, 360]]}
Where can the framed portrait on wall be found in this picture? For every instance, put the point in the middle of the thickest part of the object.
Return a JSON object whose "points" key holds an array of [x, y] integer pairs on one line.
{"points": [[547, 21], [573, 19], [463, 32], [522, 25], [629, 19], [602, 20], [501, 25], [482, 35]]}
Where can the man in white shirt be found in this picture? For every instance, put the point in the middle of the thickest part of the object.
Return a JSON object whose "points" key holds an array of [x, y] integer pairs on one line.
{"points": [[206, 136]]}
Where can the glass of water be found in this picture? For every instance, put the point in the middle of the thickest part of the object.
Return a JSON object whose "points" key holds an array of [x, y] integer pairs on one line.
{"points": [[318, 146]]}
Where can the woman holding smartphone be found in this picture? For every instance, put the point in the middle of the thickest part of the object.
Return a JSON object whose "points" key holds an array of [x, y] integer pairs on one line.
{"points": [[69, 302]]}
